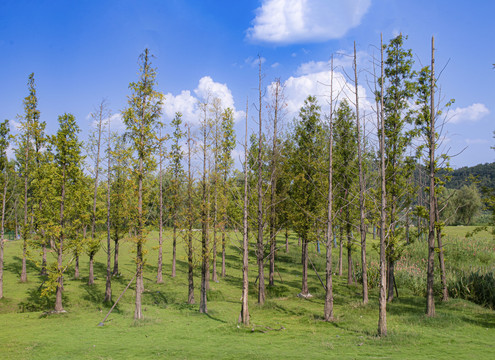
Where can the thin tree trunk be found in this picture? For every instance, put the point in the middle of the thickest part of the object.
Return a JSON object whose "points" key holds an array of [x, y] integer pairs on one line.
{"points": [[382, 300], [260, 253], [91, 277], [362, 189], [138, 313], [273, 187], [214, 276], [76, 265], [174, 247], [99, 119], [245, 240], [430, 299], [116, 256], [190, 275], [286, 240], [159, 275], [304, 261], [328, 308], [349, 247], [204, 225], [43, 259], [341, 248], [108, 282], [2, 235]]}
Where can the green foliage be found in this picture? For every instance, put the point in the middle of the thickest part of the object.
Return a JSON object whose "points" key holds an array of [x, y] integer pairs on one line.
{"points": [[476, 287], [305, 162]]}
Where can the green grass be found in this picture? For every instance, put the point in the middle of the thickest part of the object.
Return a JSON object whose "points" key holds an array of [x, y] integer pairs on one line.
{"points": [[286, 327]]}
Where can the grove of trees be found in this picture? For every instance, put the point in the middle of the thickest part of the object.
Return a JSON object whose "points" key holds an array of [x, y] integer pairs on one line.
{"points": [[332, 178]]}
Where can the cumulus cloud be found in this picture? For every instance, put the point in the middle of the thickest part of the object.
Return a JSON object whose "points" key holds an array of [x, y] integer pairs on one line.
{"points": [[297, 21], [297, 89], [473, 112], [188, 103]]}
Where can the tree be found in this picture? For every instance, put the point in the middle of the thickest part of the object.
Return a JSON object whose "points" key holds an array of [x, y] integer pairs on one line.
{"points": [[176, 156], [345, 137], [141, 118], [382, 300], [328, 308], [29, 124], [225, 167], [245, 240], [67, 159], [467, 201], [4, 173], [305, 188], [98, 116], [190, 219], [123, 209], [399, 90], [260, 250], [277, 106], [205, 212], [362, 186]]}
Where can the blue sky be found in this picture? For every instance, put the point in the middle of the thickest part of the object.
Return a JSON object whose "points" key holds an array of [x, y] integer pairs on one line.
{"points": [[83, 51]]}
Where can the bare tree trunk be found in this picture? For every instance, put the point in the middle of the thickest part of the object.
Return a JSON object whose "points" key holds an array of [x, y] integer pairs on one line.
{"points": [[138, 313], [91, 277], [76, 265], [341, 248], [286, 240], [304, 261], [362, 189], [159, 275], [430, 299], [2, 234], [382, 300], [108, 282], [116, 256], [328, 308], [273, 186], [204, 226], [245, 240], [260, 253], [190, 277], [99, 120], [43, 258], [174, 247]]}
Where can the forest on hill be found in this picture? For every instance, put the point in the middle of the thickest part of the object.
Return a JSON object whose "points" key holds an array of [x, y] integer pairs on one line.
{"points": [[482, 174]]}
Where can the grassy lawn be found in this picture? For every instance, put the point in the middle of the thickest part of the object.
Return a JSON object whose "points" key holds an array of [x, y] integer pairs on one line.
{"points": [[286, 327]]}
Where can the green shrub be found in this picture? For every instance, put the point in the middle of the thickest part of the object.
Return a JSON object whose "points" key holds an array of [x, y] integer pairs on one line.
{"points": [[476, 287]]}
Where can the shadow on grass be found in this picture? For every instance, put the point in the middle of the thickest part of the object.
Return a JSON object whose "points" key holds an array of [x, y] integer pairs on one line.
{"points": [[16, 266], [38, 302]]}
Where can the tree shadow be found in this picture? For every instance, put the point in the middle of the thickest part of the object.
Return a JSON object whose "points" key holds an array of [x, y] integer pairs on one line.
{"points": [[37, 302], [16, 265]]}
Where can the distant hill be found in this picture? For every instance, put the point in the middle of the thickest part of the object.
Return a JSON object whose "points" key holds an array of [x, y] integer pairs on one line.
{"points": [[484, 173]]}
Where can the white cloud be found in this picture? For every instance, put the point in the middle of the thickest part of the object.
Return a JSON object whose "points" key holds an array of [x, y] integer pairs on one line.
{"points": [[473, 112], [254, 61], [297, 89], [297, 21], [275, 65], [188, 103], [342, 60]]}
